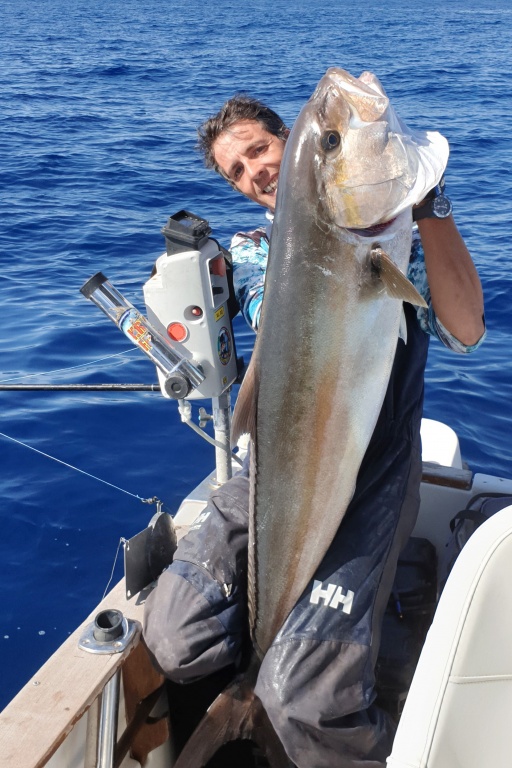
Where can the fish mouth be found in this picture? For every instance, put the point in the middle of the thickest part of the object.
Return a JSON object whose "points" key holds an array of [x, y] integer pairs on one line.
{"points": [[377, 229]]}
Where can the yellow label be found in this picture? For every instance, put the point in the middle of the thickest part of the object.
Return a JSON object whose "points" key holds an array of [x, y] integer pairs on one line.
{"points": [[219, 313]]}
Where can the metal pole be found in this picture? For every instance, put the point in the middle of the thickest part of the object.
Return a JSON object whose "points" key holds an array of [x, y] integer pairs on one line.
{"points": [[91, 738], [107, 736], [222, 426]]}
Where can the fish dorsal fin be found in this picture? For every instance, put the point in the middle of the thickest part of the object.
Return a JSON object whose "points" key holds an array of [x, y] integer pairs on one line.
{"points": [[395, 282], [244, 416]]}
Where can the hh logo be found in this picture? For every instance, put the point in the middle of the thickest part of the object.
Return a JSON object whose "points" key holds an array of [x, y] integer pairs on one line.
{"points": [[332, 596], [200, 520]]}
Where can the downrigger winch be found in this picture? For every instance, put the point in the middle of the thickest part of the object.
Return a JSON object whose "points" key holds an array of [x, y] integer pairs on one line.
{"points": [[187, 333]]}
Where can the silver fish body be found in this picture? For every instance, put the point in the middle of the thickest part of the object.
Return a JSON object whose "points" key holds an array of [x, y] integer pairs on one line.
{"points": [[330, 324]]}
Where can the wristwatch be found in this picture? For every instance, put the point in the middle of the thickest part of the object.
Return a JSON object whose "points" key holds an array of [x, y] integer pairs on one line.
{"points": [[435, 206]]}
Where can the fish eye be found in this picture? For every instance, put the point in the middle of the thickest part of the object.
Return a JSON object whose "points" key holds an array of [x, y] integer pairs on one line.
{"points": [[330, 140]]}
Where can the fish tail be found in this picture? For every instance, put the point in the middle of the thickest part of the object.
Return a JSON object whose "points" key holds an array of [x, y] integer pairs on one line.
{"points": [[236, 713]]}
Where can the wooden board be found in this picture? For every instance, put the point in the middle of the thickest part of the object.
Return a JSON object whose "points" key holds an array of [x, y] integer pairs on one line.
{"points": [[39, 718]]}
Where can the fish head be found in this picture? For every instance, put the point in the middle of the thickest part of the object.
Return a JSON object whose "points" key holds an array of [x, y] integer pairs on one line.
{"points": [[366, 164]]}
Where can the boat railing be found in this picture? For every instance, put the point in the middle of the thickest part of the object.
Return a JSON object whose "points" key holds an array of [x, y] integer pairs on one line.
{"points": [[74, 683]]}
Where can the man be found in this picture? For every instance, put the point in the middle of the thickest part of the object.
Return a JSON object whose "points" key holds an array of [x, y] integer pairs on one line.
{"points": [[316, 681]]}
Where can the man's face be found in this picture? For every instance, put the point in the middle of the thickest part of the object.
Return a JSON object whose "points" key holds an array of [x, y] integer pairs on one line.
{"points": [[250, 157]]}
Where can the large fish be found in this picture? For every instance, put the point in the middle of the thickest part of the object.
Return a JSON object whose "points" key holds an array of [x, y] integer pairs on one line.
{"points": [[331, 318]]}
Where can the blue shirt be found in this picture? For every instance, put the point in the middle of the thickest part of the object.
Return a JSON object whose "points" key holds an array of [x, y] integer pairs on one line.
{"points": [[250, 253]]}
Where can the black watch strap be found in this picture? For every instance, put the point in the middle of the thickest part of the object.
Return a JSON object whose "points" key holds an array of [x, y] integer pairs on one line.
{"points": [[435, 206]]}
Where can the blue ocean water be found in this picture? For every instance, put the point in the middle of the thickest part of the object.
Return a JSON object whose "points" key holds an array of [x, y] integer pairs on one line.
{"points": [[98, 108]]}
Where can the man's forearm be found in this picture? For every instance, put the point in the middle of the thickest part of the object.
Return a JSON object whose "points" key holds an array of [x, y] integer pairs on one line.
{"points": [[455, 287]]}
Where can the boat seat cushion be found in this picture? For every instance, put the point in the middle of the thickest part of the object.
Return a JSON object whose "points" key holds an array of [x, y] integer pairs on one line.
{"points": [[458, 709]]}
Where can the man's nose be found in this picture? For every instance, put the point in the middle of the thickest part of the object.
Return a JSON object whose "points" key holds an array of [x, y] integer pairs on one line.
{"points": [[254, 168]]}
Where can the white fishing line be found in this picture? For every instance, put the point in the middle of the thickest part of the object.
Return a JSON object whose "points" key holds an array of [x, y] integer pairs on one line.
{"points": [[71, 368], [70, 466], [121, 541]]}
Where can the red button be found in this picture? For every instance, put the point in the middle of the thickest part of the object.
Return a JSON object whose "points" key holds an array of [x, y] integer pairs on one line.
{"points": [[177, 331]]}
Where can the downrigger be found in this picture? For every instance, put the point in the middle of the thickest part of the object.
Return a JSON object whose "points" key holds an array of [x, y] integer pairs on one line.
{"points": [[188, 336], [187, 333]]}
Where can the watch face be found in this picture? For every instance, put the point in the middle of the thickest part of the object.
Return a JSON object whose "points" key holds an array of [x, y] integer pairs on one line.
{"points": [[441, 207]]}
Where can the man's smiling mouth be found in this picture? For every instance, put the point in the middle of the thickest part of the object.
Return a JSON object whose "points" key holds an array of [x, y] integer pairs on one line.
{"points": [[270, 187]]}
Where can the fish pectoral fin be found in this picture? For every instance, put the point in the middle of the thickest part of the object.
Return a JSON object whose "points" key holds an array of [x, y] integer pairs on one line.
{"points": [[395, 282]]}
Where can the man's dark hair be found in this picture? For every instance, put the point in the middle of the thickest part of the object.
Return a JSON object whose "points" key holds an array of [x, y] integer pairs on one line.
{"points": [[239, 107]]}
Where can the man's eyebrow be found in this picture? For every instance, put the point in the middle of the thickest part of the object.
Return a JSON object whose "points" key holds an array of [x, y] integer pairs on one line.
{"points": [[246, 150]]}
